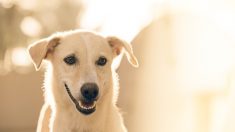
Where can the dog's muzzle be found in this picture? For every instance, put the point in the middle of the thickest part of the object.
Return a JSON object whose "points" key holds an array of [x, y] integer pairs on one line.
{"points": [[87, 104]]}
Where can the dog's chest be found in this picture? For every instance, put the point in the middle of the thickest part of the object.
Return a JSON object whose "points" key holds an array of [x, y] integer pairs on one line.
{"points": [[85, 130], [77, 130], [78, 126], [77, 123]]}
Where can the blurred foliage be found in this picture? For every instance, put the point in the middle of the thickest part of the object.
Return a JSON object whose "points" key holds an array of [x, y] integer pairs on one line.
{"points": [[52, 17], [10, 33]]}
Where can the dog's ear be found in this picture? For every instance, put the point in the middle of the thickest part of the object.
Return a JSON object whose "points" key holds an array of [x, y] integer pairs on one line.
{"points": [[118, 45], [39, 50]]}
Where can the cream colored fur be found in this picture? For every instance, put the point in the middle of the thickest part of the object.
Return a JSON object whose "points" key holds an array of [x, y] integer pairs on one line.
{"points": [[59, 113]]}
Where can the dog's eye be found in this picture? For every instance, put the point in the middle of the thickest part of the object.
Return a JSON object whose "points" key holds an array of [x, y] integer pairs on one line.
{"points": [[70, 60], [101, 61]]}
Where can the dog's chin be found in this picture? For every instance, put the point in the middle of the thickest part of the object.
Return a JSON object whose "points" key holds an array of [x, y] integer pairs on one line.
{"points": [[86, 108]]}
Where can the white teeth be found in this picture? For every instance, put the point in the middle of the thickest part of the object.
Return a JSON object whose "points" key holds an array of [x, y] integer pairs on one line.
{"points": [[87, 107]]}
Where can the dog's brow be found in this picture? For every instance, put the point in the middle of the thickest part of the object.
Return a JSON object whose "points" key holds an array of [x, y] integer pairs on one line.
{"points": [[71, 54], [102, 54]]}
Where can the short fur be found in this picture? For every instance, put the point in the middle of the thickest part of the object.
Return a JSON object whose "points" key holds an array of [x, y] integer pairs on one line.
{"points": [[59, 113]]}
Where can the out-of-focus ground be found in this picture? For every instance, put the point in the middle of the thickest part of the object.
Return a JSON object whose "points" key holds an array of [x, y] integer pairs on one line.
{"points": [[185, 48]]}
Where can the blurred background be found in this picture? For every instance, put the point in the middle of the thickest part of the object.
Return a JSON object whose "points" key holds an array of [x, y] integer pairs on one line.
{"points": [[186, 51]]}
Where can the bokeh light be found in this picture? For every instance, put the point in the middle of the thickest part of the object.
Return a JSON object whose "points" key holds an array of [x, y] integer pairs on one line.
{"points": [[30, 27], [20, 57]]}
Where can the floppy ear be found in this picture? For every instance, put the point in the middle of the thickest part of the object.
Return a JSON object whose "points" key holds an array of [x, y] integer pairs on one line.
{"points": [[118, 45], [39, 50]]}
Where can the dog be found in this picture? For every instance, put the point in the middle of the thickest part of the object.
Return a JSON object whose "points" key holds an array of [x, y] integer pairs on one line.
{"points": [[81, 85]]}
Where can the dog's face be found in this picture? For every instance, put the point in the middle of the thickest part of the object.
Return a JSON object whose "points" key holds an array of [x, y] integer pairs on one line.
{"points": [[82, 65]]}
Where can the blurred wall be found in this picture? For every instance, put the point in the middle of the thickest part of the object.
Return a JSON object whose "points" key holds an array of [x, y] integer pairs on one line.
{"points": [[183, 79], [21, 99]]}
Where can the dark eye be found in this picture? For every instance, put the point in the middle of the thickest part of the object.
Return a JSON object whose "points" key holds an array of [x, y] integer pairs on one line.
{"points": [[101, 61], [70, 60]]}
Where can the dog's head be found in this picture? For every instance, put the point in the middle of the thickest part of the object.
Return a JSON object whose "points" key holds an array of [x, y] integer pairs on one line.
{"points": [[82, 65]]}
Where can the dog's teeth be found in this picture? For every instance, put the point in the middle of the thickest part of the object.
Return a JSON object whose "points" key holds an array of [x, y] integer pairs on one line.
{"points": [[89, 107]]}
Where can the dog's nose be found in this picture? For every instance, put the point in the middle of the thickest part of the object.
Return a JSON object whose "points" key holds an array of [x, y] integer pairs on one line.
{"points": [[90, 91]]}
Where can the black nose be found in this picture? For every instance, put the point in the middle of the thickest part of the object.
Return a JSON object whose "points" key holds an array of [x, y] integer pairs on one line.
{"points": [[90, 91]]}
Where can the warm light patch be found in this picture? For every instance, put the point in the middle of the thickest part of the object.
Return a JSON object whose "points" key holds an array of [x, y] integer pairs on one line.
{"points": [[30, 27], [6, 3], [117, 17], [19, 57]]}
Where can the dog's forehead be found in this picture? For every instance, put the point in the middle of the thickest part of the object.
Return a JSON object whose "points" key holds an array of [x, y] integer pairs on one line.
{"points": [[84, 41]]}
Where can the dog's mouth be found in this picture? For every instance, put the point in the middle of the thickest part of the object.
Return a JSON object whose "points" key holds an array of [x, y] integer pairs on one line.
{"points": [[85, 107]]}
